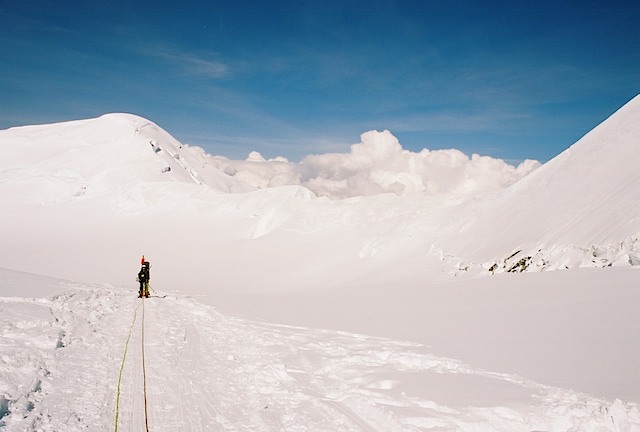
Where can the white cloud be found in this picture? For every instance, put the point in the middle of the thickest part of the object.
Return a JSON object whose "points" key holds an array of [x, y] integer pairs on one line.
{"points": [[191, 64], [210, 68], [379, 164]]}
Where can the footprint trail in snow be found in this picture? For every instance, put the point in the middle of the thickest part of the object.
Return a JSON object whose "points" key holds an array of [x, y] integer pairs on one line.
{"points": [[61, 358]]}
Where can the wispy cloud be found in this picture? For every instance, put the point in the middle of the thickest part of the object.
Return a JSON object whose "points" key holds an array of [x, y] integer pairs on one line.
{"points": [[199, 66], [192, 64]]}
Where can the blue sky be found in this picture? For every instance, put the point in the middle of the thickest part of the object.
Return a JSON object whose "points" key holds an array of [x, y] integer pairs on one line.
{"points": [[513, 79]]}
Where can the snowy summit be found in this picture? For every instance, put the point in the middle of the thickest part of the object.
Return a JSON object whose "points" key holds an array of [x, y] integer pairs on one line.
{"points": [[375, 290]]}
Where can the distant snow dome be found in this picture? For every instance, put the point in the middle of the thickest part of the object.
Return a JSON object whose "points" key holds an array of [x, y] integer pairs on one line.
{"points": [[111, 154]]}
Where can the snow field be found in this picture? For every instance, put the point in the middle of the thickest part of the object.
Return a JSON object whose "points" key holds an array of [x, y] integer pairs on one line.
{"points": [[61, 358], [59, 384], [540, 350]]}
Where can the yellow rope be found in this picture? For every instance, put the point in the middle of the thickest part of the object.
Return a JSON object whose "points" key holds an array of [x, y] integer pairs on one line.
{"points": [[144, 376], [124, 357]]}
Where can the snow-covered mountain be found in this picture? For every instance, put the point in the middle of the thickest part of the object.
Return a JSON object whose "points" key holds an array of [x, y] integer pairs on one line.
{"points": [[112, 154], [580, 209], [82, 200]]}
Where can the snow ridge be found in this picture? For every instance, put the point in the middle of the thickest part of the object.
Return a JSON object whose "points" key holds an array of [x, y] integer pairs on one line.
{"points": [[66, 162], [580, 209]]}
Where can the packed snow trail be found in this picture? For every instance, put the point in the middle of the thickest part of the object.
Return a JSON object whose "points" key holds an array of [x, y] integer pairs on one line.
{"points": [[61, 359], [144, 376], [136, 390], [124, 359]]}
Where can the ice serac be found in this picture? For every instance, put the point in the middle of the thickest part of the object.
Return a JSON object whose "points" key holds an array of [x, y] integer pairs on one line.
{"points": [[62, 162], [582, 205]]}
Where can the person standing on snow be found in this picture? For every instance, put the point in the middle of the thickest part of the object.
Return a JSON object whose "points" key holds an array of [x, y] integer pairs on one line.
{"points": [[143, 278]]}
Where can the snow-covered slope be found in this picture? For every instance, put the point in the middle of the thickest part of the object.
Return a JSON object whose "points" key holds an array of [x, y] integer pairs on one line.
{"points": [[580, 209], [96, 358], [112, 154]]}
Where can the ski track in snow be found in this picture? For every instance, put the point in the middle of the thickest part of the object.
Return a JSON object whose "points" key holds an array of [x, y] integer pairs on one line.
{"points": [[60, 359]]}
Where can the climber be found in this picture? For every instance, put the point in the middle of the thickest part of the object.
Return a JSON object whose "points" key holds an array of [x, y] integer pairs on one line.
{"points": [[143, 278]]}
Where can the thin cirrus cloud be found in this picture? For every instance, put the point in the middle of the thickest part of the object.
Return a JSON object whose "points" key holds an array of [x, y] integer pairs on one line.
{"points": [[208, 68], [191, 64]]}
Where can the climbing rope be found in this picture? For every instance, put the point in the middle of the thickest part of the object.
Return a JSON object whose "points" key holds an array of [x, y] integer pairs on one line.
{"points": [[144, 371], [124, 357], [144, 375]]}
